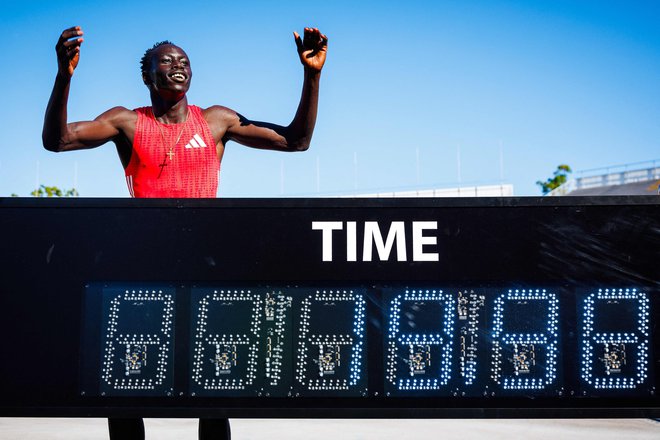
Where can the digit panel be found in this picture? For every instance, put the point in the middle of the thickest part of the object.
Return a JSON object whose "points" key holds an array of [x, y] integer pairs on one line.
{"points": [[227, 328], [330, 354], [419, 343], [615, 342], [137, 342], [525, 342]]}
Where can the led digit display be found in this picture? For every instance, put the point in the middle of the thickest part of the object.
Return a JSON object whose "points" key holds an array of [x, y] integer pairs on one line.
{"points": [[419, 341], [226, 334], [137, 348], [331, 343], [615, 340], [525, 340], [378, 342]]}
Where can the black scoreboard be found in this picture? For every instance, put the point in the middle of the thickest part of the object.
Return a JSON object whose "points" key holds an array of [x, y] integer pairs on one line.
{"points": [[331, 308]]}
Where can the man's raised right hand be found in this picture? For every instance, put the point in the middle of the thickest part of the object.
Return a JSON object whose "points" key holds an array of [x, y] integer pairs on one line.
{"points": [[68, 51]]}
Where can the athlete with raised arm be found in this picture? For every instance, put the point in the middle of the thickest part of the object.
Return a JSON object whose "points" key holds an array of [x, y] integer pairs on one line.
{"points": [[172, 148]]}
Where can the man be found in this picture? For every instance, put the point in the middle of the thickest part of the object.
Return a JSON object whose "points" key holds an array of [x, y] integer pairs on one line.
{"points": [[167, 149], [173, 149]]}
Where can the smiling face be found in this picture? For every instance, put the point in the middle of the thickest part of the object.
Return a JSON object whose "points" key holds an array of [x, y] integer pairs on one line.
{"points": [[170, 73]]}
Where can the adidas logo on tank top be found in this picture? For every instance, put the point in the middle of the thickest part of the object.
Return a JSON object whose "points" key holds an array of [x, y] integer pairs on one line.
{"points": [[196, 142]]}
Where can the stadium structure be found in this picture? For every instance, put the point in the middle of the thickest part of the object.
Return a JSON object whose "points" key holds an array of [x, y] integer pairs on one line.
{"points": [[639, 178]]}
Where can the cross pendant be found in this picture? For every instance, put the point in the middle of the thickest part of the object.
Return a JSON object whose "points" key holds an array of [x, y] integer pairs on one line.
{"points": [[170, 154]]}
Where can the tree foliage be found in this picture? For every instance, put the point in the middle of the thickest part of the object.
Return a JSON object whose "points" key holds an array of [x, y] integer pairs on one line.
{"points": [[53, 191], [559, 177]]}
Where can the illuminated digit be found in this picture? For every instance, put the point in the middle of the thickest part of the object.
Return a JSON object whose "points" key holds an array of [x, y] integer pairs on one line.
{"points": [[330, 348], [615, 339], [420, 360], [525, 340], [137, 355], [226, 341]]}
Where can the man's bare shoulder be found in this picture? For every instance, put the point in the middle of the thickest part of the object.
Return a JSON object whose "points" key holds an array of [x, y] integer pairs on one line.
{"points": [[220, 114], [118, 116], [220, 120]]}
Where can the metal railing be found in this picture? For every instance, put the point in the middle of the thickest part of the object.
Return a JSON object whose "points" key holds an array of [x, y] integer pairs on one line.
{"points": [[610, 176]]}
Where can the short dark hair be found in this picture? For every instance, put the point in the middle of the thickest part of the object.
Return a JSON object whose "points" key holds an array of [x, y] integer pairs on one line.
{"points": [[145, 62]]}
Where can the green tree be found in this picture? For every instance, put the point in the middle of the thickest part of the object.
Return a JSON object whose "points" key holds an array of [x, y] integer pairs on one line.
{"points": [[53, 191], [559, 177]]}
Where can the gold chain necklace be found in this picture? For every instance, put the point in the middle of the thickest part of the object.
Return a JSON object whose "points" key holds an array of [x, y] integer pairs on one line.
{"points": [[170, 154]]}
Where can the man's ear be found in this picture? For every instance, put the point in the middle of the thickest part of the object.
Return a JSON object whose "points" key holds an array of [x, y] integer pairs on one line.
{"points": [[145, 79]]}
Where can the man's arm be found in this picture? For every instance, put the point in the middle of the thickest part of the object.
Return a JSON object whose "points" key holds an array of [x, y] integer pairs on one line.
{"points": [[229, 125], [57, 135]]}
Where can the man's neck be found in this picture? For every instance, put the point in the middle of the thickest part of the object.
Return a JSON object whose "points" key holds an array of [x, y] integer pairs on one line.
{"points": [[169, 112]]}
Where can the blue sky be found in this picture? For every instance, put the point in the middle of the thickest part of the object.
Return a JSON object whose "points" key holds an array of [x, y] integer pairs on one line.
{"points": [[407, 85]]}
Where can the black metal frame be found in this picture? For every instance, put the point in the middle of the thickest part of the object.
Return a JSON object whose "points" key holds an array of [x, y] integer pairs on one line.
{"points": [[52, 248]]}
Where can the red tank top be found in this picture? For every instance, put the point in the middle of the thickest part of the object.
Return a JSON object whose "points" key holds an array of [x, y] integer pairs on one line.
{"points": [[173, 160]]}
